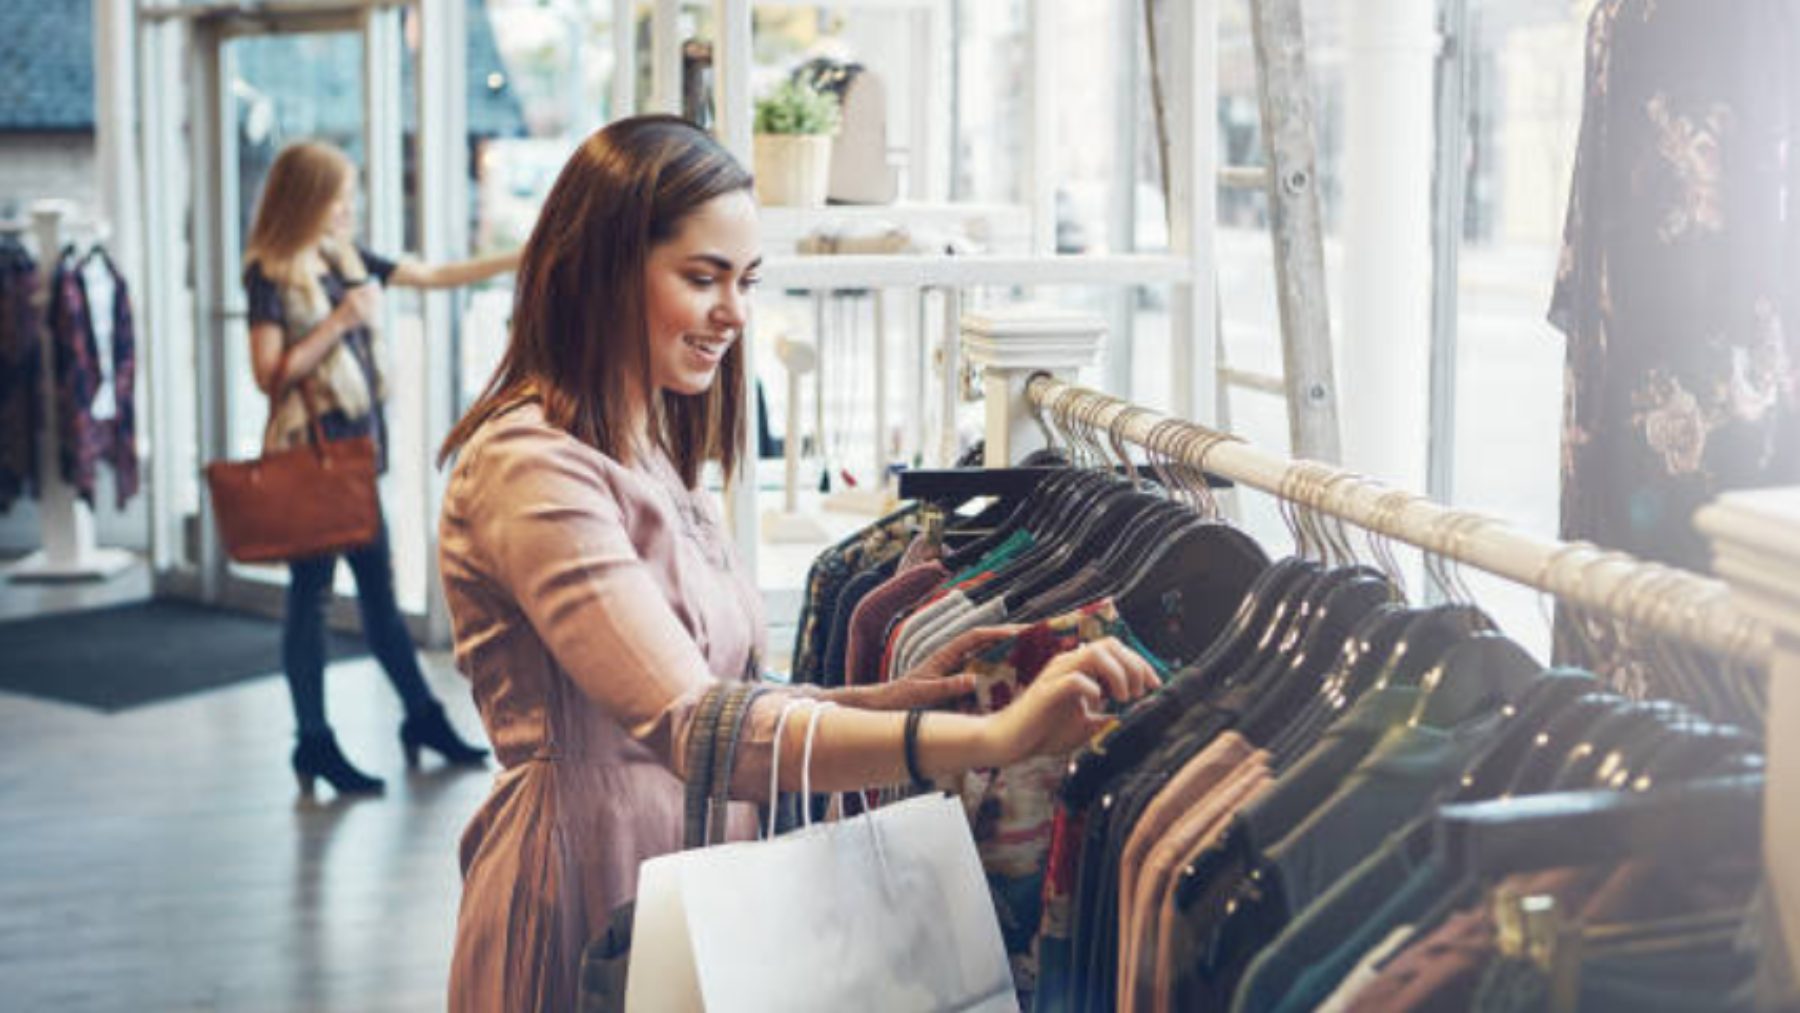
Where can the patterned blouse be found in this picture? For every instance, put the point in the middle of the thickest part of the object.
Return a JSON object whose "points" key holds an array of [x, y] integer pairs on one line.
{"points": [[1679, 275]]}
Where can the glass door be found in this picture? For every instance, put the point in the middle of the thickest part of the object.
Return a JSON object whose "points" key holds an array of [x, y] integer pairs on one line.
{"points": [[262, 81]]}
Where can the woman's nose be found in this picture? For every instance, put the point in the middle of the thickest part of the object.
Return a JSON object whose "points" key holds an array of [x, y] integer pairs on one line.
{"points": [[729, 312]]}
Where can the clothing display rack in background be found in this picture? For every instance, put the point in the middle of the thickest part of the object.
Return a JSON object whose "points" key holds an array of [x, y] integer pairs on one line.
{"points": [[70, 550], [1750, 621]]}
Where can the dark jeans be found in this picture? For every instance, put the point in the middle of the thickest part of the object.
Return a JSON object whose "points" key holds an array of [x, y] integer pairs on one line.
{"points": [[303, 634]]}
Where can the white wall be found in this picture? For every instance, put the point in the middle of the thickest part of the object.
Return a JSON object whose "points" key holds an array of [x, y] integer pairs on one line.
{"points": [[34, 166]]}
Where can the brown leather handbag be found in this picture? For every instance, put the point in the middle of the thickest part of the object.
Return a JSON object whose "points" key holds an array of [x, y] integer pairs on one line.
{"points": [[305, 501]]}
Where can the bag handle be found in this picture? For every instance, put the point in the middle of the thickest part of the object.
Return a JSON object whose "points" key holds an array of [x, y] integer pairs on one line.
{"points": [[278, 386], [812, 728], [788, 706]]}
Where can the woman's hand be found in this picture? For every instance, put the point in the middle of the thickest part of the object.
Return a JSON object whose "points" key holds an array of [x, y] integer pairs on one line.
{"points": [[937, 682], [1066, 705], [361, 304]]}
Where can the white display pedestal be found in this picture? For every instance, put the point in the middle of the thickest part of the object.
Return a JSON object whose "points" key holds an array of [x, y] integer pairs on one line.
{"points": [[788, 525], [66, 522], [1011, 344]]}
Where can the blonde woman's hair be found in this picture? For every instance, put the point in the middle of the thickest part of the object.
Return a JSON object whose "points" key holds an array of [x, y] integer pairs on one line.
{"points": [[293, 216]]}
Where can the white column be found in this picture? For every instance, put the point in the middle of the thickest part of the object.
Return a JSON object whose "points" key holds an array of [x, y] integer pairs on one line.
{"points": [[115, 131], [1011, 344], [1386, 352], [1040, 140], [624, 47], [1756, 549], [665, 57], [443, 234], [1189, 61]]}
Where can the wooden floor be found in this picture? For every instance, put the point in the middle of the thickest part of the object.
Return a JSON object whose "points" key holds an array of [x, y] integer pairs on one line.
{"points": [[160, 859]]}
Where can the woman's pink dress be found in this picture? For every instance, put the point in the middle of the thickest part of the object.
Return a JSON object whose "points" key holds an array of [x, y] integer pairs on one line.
{"points": [[593, 602]]}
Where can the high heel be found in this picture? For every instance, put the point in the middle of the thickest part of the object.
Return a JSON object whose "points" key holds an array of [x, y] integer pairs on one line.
{"points": [[427, 728], [317, 755]]}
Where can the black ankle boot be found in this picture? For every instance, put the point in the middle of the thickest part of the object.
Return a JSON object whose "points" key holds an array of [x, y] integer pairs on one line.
{"points": [[317, 755], [428, 728]]}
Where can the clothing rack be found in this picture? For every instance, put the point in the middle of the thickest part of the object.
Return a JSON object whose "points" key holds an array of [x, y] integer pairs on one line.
{"points": [[1596, 581], [1751, 616], [70, 550]]}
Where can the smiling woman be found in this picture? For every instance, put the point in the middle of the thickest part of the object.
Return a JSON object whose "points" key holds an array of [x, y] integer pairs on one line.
{"points": [[594, 593], [697, 286]]}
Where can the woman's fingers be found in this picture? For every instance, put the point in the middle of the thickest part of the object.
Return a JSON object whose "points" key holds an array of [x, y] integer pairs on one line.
{"points": [[948, 658], [1101, 660], [1121, 671]]}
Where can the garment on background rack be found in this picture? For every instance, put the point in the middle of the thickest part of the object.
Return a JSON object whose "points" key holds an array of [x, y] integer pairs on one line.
{"points": [[95, 361], [1676, 286], [20, 362]]}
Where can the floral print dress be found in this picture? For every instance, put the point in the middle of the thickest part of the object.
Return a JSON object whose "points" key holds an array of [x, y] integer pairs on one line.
{"points": [[1679, 275]]}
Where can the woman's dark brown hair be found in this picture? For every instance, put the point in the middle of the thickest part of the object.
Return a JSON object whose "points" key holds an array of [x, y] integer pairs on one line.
{"points": [[579, 343]]}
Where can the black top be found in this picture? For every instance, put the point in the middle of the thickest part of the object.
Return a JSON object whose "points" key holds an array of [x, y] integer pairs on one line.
{"points": [[264, 299]]}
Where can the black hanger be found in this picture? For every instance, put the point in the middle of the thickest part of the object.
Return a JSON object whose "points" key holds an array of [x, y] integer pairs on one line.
{"points": [[1031, 515], [1158, 522], [1674, 824], [1537, 769], [1186, 594], [1473, 677], [1115, 514], [1363, 654], [1065, 515], [1695, 753], [1304, 677], [1426, 638], [1144, 726], [1491, 773], [1634, 725]]}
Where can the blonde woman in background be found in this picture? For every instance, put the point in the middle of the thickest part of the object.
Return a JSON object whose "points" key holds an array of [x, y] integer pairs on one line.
{"points": [[314, 304]]}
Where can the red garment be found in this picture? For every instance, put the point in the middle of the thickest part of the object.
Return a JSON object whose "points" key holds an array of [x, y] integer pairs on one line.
{"points": [[870, 621]]}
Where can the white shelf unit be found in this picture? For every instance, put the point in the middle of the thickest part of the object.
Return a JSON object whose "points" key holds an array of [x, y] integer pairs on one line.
{"points": [[1188, 52]]}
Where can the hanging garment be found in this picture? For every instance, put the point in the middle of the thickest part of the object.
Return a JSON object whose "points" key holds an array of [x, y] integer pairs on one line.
{"points": [[834, 568], [1676, 284], [1011, 808], [1244, 838], [21, 358], [87, 380]]}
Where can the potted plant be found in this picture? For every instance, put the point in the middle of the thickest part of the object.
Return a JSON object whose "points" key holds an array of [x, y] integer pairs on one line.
{"points": [[794, 124]]}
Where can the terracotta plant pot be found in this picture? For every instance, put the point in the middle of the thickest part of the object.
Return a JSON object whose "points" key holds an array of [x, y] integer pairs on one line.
{"points": [[792, 170]]}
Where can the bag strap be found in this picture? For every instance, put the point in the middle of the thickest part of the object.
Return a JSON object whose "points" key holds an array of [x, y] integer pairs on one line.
{"points": [[788, 706], [278, 387], [806, 792]]}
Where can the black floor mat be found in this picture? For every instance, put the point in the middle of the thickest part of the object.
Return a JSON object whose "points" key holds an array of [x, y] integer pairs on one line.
{"points": [[113, 659]]}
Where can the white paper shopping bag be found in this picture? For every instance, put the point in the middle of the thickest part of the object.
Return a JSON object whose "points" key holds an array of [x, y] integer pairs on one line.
{"points": [[886, 911]]}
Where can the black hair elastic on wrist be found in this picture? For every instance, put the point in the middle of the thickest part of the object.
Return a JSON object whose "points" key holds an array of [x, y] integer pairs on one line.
{"points": [[910, 743]]}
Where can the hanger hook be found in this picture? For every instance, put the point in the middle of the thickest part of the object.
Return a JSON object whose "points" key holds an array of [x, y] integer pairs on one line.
{"points": [[1034, 397], [1116, 430], [1389, 510]]}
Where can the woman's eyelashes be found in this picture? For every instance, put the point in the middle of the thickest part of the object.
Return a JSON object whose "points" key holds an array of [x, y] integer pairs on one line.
{"points": [[704, 282]]}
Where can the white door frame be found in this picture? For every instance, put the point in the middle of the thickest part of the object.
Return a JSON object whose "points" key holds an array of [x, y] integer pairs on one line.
{"points": [[201, 90]]}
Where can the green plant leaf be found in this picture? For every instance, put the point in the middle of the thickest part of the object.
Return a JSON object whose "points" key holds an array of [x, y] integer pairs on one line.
{"points": [[794, 107]]}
